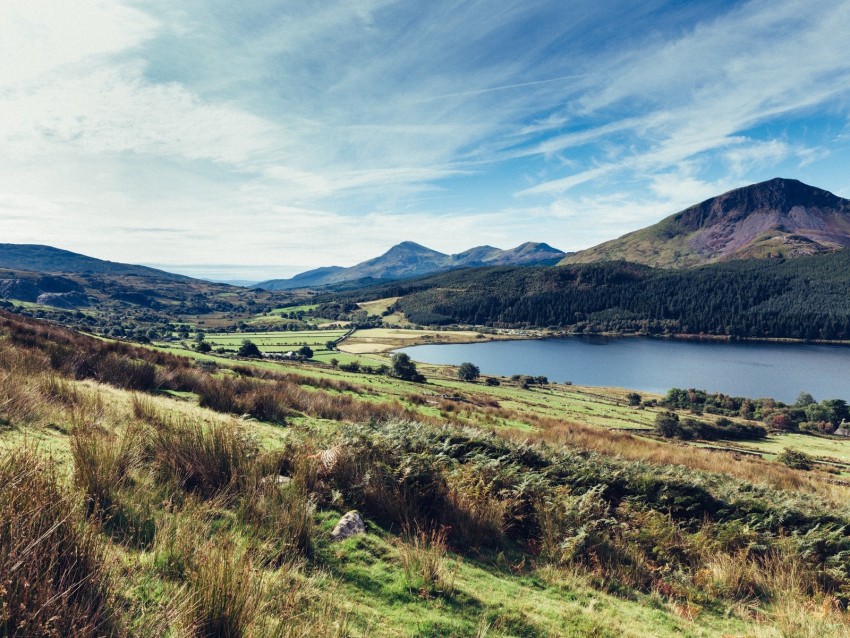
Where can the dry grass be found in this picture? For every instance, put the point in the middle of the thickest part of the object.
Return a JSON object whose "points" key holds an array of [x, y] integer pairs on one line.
{"points": [[634, 448], [53, 572], [226, 592], [209, 460]]}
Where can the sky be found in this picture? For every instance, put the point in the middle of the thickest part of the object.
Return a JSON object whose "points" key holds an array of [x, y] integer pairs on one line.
{"points": [[260, 139]]}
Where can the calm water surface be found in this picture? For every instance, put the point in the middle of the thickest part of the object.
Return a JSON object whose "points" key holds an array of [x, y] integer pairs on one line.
{"points": [[775, 370]]}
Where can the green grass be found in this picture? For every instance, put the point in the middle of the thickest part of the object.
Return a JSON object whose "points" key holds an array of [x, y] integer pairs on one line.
{"points": [[307, 307], [817, 446], [366, 582]]}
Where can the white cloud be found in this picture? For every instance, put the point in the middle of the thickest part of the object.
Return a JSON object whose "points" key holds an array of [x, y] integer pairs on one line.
{"points": [[44, 37], [698, 92], [324, 131]]}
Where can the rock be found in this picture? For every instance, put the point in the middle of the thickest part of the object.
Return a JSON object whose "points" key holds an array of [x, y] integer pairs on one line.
{"points": [[279, 479], [349, 525], [63, 299]]}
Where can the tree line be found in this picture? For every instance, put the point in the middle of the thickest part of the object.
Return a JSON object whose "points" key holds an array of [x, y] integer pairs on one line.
{"points": [[801, 298]]}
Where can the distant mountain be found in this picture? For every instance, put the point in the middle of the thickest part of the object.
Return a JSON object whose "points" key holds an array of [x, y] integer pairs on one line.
{"points": [[776, 218], [409, 259], [46, 259]]}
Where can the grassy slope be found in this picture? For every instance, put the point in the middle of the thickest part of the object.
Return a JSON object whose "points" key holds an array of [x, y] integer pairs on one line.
{"points": [[495, 594]]}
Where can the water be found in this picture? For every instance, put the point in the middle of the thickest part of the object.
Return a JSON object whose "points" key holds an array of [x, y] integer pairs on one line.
{"points": [[778, 370]]}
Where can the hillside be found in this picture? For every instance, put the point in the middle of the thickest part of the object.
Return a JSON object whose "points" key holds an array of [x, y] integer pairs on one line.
{"points": [[776, 218], [46, 259], [803, 298], [121, 299], [409, 259], [201, 500]]}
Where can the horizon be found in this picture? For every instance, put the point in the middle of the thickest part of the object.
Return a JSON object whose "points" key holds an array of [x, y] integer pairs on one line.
{"points": [[288, 138]]}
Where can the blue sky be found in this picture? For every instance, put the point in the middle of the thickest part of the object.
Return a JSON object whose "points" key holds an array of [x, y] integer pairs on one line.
{"points": [[251, 140]]}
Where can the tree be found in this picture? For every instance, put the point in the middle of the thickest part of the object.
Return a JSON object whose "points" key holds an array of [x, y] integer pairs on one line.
{"points": [[838, 410], [330, 345], [804, 399], [306, 352], [404, 368], [203, 346], [633, 398], [468, 371], [492, 381], [334, 362], [249, 349], [667, 424]]}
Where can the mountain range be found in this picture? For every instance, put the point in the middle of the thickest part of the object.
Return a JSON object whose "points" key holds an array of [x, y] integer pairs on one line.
{"points": [[777, 218], [409, 259]]}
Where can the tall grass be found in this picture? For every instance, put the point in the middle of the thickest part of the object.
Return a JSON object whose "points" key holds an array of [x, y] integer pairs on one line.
{"points": [[53, 574], [226, 593], [205, 459], [283, 516], [423, 557], [103, 461]]}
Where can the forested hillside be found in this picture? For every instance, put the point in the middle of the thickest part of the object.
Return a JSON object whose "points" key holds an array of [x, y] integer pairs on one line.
{"points": [[802, 298]]}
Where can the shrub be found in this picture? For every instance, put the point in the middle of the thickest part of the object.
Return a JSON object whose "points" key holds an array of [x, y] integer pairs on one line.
{"points": [[404, 368], [795, 459], [633, 398], [306, 352], [249, 349], [492, 381]]}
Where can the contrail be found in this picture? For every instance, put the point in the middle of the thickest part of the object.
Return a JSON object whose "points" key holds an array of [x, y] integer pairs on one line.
{"points": [[505, 87]]}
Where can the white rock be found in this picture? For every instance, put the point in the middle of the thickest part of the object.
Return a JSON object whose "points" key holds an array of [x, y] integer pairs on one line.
{"points": [[349, 525]]}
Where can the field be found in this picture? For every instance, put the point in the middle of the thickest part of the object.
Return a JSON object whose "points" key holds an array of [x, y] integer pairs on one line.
{"points": [[375, 340], [490, 511]]}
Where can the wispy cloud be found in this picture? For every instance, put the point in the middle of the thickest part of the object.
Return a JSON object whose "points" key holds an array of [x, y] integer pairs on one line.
{"points": [[697, 93], [323, 131]]}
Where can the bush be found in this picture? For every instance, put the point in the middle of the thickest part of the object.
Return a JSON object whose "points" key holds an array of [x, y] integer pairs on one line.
{"points": [[795, 459], [249, 349], [633, 398], [306, 352], [492, 381]]}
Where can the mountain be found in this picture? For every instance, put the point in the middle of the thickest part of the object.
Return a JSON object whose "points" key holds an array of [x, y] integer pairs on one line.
{"points": [[46, 259], [776, 218], [802, 298], [409, 259]]}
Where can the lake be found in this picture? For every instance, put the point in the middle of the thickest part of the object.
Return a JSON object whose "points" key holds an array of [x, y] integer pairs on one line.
{"points": [[749, 369]]}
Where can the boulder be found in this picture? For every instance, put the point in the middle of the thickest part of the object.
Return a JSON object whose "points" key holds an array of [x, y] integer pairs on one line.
{"points": [[349, 525]]}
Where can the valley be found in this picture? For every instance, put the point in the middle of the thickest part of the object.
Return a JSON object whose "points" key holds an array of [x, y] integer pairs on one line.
{"points": [[192, 438]]}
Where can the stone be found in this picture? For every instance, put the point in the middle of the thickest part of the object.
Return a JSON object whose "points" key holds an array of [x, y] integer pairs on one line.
{"points": [[279, 479], [349, 525]]}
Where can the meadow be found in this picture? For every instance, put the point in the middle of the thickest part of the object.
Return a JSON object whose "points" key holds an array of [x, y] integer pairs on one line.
{"points": [[198, 496]]}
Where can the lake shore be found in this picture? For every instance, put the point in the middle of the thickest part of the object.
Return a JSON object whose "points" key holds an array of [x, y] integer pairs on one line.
{"points": [[386, 340]]}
